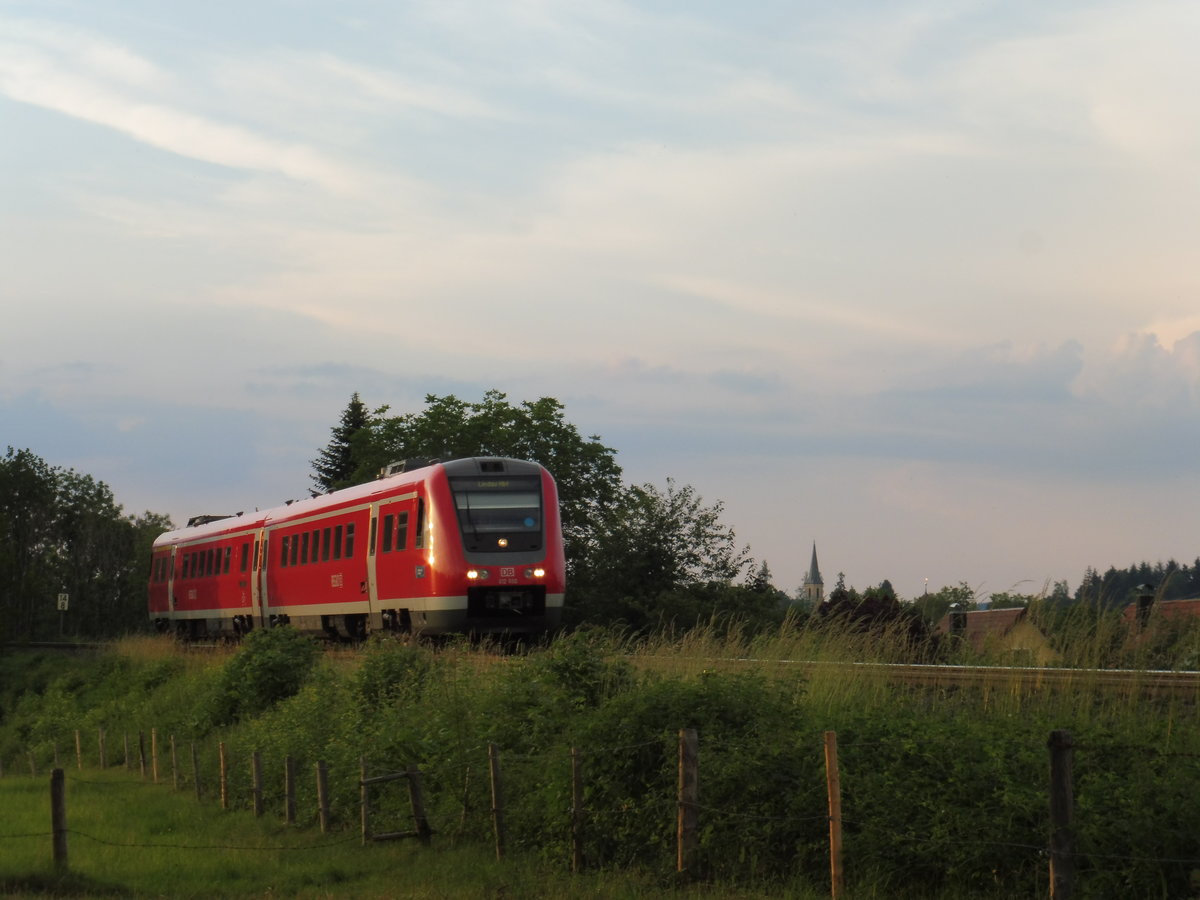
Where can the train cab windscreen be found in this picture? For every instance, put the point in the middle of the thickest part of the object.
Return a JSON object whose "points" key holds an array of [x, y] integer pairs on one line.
{"points": [[499, 514]]}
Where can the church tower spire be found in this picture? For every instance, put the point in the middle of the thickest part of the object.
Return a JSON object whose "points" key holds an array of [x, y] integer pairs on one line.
{"points": [[814, 587]]}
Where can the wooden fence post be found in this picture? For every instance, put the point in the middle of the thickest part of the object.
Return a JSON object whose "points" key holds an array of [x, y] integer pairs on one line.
{"points": [[833, 784], [32, 765], [289, 790], [78, 751], [196, 771], [142, 752], [497, 798], [688, 815], [154, 754], [257, 778], [224, 776], [364, 800], [128, 758], [1062, 815], [58, 819], [417, 798], [576, 811], [174, 765], [323, 796]]}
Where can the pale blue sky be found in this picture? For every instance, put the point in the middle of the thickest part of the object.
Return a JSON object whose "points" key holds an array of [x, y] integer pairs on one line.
{"points": [[914, 280]]}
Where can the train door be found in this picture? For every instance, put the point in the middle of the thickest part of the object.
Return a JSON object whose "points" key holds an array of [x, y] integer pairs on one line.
{"points": [[372, 587], [394, 542], [258, 578], [171, 584]]}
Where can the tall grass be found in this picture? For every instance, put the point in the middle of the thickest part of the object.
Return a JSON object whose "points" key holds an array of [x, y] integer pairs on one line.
{"points": [[922, 765]]}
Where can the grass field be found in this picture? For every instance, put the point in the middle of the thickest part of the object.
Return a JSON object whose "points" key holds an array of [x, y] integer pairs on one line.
{"points": [[131, 838], [944, 787]]}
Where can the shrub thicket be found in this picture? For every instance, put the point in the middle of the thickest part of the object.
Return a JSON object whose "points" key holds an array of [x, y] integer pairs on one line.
{"points": [[944, 790]]}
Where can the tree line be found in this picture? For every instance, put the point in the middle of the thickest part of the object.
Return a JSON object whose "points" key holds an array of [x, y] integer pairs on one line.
{"points": [[62, 535], [639, 555]]}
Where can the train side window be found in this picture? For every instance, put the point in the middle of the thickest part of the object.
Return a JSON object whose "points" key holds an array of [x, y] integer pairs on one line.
{"points": [[294, 555], [284, 546], [187, 565], [304, 548], [350, 540], [419, 540], [385, 543], [228, 557], [371, 538], [325, 545], [245, 558], [316, 544], [337, 542], [256, 558], [208, 562], [402, 531]]}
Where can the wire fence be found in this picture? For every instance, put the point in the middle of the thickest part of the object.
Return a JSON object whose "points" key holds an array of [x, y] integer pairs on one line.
{"points": [[487, 796]]}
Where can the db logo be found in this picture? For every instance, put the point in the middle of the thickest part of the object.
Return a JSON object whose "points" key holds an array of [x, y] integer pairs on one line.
{"points": [[508, 572]]}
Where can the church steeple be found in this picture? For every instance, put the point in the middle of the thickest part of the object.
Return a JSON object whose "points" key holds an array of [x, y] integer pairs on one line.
{"points": [[814, 587]]}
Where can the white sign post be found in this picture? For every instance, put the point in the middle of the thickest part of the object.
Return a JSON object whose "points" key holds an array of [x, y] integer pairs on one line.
{"points": [[62, 614]]}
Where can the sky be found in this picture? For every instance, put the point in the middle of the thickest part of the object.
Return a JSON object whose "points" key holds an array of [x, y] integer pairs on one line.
{"points": [[915, 281]]}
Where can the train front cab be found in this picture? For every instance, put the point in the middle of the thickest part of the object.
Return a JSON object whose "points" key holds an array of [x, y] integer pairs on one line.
{"points": [[503, 523]]}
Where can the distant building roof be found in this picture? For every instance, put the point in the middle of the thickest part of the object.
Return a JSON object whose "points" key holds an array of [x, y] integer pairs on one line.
{"points": [[1167, 609], [980, 624]]}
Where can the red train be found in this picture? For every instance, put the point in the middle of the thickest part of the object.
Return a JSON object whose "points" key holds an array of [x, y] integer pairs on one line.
{"points": [[466, 546]]}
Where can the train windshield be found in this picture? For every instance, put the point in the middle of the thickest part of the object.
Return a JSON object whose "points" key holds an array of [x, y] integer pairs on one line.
{"points": [[499, 514]]}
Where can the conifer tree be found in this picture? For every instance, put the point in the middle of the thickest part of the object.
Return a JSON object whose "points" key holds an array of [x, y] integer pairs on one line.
{"points": [[334, 467]]}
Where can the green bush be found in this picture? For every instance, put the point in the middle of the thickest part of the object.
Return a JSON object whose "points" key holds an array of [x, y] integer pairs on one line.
{"points": [[390, 670], [271, 665]]}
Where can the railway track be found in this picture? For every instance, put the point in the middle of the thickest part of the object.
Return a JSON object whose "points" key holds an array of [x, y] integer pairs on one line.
{"points": [[1009, 677], [1143, 681]]}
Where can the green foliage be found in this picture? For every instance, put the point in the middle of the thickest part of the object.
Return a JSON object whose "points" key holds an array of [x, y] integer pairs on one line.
{"points": [[665, 558], [335, 466], [933, 607], [584, 469], [389, 671], [271, 665], [944, 789], [62, 532]]}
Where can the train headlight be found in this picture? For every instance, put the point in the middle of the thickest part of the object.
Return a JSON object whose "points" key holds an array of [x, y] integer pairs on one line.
{"points": [[502, 543], [539, 572], [476, 574]]}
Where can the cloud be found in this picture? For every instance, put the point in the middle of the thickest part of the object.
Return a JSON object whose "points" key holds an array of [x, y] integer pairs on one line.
{"points": [[1140, 375], [95, 81]]}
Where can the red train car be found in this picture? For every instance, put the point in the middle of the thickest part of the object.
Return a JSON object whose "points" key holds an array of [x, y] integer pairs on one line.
{"points": [[466, 546]]}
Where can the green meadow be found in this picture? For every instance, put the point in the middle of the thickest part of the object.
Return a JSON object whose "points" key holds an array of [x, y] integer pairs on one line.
{"points": [[944, 788]]}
